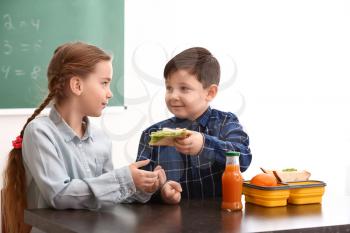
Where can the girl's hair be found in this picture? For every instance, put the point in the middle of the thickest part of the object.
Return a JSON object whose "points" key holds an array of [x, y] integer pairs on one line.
{"points": [[70, 59]]}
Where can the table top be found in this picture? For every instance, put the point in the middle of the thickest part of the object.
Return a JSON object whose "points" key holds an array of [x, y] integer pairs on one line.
{"points": [[332, 215]]}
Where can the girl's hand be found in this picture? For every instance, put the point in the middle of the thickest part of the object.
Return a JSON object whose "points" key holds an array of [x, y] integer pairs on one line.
{"points": [[161, 176], [144, 180], [171, 192], [160, 181], [192, 144]]}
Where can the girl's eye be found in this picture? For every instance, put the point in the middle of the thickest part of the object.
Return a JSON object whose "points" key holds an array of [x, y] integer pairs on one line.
{"points": [[184, 88], [104, 83], [168, 88]]}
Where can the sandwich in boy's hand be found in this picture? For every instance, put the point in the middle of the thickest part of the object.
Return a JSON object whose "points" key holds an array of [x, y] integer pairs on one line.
{"points": [[166, 136]]}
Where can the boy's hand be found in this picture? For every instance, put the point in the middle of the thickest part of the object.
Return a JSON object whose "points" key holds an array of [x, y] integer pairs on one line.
{"points": [[171, 192], [146, 181], [192, 144]]}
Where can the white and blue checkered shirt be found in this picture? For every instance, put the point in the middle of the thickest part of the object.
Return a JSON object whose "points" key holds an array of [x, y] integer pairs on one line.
{"points": [[199, 176]]}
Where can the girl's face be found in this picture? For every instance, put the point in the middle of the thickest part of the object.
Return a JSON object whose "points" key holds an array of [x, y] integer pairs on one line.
{"points": [[96, 91]]}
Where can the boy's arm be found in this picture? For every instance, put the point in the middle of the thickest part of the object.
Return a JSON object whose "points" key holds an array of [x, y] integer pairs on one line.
{"points": [[171, 190], [231, 137], [145, 151]]}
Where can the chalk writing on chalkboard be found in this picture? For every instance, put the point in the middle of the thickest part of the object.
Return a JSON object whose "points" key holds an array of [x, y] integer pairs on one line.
{"points": [[9, 24], [24, 46], [34, 73], [29, 35]]}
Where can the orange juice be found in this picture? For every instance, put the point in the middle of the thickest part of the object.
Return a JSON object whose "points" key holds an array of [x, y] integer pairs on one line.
{"points": [[232, 183]]}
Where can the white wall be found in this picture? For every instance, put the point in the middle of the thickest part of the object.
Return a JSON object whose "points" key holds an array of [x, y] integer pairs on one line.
{"points": [[285, 72]]}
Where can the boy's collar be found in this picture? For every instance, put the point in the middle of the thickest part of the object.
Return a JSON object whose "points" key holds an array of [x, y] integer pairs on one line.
{"points": [[202, 120]]}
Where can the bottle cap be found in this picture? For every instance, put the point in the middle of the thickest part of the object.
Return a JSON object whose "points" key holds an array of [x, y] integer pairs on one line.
{"points": [[232, 153]]}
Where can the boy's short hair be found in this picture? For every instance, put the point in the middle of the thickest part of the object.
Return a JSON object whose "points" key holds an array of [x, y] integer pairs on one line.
{"points": [[197, 61]]}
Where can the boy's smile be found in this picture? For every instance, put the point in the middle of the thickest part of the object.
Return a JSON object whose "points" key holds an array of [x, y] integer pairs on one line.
{"points": [[185, 96]]}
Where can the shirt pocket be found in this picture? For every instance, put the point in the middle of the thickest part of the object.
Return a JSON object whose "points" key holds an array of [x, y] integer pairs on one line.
{"points": [[99, 165]]}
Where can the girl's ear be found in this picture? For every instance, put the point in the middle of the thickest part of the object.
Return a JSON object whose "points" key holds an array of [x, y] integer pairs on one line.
{"points": [[212, 91], [76, 85]]}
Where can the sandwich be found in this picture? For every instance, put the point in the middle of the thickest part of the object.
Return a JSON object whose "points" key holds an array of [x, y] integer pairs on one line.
{"points": [[166, 136], [292, 175], [289, 175]]}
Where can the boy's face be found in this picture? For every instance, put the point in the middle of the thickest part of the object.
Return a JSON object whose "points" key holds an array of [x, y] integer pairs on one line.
{"points": [[185, 96]]}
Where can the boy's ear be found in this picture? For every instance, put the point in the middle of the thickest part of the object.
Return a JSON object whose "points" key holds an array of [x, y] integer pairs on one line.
{"points": [[212, 91], [76, 85]]}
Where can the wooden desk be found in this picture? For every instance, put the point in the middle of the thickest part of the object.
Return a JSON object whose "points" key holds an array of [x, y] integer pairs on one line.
{"points": [[196, 216]]}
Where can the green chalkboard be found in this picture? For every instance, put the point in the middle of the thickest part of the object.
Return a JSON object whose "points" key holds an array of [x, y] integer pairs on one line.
{"points": [[32, 29]]}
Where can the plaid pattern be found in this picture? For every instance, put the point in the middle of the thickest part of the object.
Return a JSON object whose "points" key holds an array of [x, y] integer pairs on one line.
{"points": [[199, 176]]}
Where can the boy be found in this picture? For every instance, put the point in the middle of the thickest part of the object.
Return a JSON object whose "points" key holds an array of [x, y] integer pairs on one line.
{"points": [[197, 161]]}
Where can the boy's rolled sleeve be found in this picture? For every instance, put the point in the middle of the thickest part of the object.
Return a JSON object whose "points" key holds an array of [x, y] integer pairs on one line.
{"points": [[231, 137]]}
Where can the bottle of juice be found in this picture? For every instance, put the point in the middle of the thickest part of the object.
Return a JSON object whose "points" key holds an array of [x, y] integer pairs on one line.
{"points": [[232, 183]]}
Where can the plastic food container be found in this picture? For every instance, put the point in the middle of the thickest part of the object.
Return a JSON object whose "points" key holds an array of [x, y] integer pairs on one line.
{"points": [[297, 193]]}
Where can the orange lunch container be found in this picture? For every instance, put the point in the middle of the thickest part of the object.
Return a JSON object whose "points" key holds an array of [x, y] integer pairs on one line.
{"points": [[305, 192]]}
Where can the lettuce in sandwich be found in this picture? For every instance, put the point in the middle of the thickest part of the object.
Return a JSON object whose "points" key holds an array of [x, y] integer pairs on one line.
{"points": [[166, 136]]}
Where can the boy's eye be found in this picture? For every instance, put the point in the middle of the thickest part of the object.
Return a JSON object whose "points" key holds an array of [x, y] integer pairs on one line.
{"points": [[184, 88], [104, 83], [168, 88]]}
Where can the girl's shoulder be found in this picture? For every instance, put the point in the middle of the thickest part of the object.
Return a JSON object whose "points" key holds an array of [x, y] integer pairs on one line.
{"points": [[40, 123], [39, 128], [44, 125]]}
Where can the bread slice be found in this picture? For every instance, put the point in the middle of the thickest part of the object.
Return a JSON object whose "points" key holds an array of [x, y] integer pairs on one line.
{"points": [[292, 176]]}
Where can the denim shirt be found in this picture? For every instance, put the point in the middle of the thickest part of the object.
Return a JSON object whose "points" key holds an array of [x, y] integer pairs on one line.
{"points": [[66, 171], [200, 175]]}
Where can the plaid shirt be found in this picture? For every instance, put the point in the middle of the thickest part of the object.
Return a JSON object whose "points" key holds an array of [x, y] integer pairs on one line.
{"points": [[199, 176]]}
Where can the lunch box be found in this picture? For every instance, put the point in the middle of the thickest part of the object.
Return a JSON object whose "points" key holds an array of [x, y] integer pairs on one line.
{"points": [[297, 193]]}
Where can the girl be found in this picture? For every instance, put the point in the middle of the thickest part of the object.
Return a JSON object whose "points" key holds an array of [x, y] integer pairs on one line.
{"points": [[63, 161]]}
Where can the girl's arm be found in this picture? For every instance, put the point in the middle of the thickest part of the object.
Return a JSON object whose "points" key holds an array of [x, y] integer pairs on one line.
{"points": [[139, 196], [59, 190]]}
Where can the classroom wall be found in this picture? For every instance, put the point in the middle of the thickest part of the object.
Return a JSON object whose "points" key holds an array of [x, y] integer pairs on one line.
{"points": [[285, 73]]}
